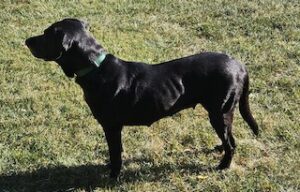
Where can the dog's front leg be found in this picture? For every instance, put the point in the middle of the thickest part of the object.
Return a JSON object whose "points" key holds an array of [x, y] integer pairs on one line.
{"points": [[113, 138]]}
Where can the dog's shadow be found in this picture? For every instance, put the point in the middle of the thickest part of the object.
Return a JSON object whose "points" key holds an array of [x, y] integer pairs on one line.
{"points": [[60, 178], [87, 177]]}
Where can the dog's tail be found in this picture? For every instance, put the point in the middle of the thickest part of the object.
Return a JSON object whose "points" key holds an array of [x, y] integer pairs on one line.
{"points": [[245, 109]]}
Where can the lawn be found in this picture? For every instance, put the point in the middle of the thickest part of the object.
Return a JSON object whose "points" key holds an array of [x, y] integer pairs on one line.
{"points": [[49, 140]]}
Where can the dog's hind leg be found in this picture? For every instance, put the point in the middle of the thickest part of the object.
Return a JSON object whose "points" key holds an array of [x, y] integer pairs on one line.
{"points": [[113, 138], [227, 112], [228, 119], [222, 124]]}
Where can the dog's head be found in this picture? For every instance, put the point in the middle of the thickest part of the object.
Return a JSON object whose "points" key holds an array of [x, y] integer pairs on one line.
{"points": [[65, 38]]}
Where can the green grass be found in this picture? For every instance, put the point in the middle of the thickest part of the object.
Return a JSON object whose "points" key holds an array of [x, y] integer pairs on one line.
{"points": [[50, 142]]}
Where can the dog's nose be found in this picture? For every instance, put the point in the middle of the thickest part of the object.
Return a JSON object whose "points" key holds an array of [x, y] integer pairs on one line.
{"points": [[28, 41]]}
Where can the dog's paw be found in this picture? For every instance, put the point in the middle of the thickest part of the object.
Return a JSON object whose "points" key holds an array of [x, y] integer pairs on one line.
{"points": [[114, 176], [225, 164]]}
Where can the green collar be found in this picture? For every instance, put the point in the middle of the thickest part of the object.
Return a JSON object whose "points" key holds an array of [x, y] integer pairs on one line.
{"points": [[97, 62], [100, 59]]}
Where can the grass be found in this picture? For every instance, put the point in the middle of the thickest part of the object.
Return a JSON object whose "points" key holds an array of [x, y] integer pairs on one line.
{"points": [[50, 142]]}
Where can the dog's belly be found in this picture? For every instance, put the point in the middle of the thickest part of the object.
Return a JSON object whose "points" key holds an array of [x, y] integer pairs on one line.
{"points": [[147, 113], [148, 118]]}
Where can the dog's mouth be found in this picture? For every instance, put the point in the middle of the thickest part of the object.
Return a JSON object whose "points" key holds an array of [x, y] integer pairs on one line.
{"points": [[34, 53]]}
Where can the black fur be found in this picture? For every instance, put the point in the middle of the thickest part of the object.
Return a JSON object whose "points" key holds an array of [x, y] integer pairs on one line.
{"points": [[132, 93]]}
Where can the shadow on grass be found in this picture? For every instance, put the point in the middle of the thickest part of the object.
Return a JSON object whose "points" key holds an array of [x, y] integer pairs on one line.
{"points": [[87, 177]]}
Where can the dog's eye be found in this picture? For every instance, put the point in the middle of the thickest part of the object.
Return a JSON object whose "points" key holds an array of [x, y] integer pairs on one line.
{"points": [[49, 31]]}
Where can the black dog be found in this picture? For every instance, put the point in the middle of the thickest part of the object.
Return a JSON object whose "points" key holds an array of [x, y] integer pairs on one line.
{"points": [[131, 93]]}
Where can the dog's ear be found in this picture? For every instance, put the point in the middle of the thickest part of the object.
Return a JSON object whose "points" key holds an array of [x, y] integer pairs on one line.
{"points": [[66, 39], [67, 42]]}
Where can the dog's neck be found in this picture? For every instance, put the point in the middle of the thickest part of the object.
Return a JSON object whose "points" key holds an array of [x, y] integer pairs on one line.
{"points": [[97, 62], [73, 62]]}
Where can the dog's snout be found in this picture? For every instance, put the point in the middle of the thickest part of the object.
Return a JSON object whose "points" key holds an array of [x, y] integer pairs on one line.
{"points": [[33, 45]]}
